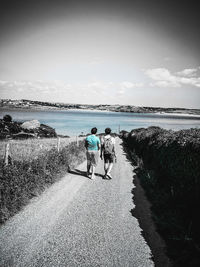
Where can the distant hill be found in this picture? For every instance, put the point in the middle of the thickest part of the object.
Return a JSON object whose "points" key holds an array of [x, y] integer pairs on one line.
{"points": [[30, 104]]}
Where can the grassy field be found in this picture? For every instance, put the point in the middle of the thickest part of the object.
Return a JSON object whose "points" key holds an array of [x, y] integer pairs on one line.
{"points": [[35, 165], [23, 150]]}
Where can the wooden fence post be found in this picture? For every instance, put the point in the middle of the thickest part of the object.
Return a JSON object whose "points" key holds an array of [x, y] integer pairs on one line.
{"points": [[58, 144], [7, 154]]}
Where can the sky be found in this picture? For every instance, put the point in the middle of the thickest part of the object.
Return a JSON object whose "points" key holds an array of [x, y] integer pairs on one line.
{"points": [[130, 52]]}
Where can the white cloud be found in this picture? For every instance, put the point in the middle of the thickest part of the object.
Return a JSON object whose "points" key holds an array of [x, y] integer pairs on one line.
{"points": [[120, 92], [128, 85], [164, 78], [123, 87], [187, 72], [93, 89], [163, 84], [19, 83], [3, 82], [96, 84], [160, 74]]}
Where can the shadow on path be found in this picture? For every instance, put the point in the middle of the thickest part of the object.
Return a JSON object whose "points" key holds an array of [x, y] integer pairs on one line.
{"points": [[78, 172], [142, 211], [100, 175], [83, 173]]}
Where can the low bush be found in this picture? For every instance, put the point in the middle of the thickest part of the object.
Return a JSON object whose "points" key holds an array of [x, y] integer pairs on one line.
{"points": [[22, 180], [170, 175], [7, 118]]}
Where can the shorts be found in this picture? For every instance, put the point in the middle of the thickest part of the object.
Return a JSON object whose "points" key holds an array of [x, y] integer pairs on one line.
{"points": [[108, 158], [92, 157]]}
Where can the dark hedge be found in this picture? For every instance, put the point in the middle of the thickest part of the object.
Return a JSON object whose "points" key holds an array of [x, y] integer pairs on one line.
{"points": [[169, 171]]}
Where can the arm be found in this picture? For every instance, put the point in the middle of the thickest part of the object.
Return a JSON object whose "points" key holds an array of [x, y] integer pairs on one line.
{"points": [[86, 144], [114, 151], [99, 146], [102, 149], [114, 148]]}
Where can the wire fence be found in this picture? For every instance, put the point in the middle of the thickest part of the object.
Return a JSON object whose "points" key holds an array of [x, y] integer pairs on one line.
{"points": [[28, 149]]}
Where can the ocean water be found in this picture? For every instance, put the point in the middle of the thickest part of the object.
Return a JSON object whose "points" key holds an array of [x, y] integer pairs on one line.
{"points": [[76, 122]]}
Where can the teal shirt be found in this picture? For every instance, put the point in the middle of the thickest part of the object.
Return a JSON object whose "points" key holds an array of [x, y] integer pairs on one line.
{"points": [[92, 142]]}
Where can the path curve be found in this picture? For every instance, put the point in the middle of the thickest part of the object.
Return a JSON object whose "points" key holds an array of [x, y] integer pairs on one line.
{"points": [[79, 222]]}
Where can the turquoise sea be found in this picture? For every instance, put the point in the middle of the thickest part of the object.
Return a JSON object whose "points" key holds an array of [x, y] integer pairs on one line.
{"points": [[76, 122]]}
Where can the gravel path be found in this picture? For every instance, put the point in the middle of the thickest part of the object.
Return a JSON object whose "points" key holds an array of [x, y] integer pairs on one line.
{"points": [[78, 222]]}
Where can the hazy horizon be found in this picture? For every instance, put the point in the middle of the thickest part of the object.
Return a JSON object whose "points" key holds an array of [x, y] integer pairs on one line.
{"points": [[139, 52]]}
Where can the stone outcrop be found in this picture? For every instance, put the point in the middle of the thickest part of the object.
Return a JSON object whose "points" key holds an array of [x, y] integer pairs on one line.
{"points": [[31, 125], [28, 129]]}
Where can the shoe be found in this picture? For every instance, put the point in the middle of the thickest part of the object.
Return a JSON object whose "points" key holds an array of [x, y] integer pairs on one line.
{"points": [[109, 176]]}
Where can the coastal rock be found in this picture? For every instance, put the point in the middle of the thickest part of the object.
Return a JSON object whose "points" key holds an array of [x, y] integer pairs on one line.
{"points": [[30, 125], [28, 129]]}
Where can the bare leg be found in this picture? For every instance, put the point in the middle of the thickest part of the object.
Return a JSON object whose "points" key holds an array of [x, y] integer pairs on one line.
{"points": [[88, 168], [93, 171], [109, 169], [106, 167]]}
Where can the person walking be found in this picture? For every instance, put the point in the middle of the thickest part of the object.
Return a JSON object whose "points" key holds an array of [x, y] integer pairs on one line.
{"points": [[108, 152], [92, 144]]}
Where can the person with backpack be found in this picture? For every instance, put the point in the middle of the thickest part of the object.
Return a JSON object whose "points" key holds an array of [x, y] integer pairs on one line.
{"points": [[92, 145], [108, 152]]}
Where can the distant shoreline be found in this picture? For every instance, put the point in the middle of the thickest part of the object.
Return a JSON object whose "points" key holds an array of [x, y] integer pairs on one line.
{"points": [[40, 108], [178, 114], [32, 105]]}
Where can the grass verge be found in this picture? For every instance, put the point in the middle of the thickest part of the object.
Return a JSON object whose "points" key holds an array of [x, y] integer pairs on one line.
{"points": [[25, 179]]}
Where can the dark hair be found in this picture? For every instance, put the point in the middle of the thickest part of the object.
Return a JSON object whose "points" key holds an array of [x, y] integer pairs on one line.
{"points": [[94, 130], [107, 130]]}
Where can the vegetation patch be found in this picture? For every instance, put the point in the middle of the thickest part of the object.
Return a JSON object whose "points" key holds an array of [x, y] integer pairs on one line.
{"points": [[169, 171], [24, 179], [19, 130]]}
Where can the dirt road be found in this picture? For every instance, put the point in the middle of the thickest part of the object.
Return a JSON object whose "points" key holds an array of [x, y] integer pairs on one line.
{"points": [[78, 222]]}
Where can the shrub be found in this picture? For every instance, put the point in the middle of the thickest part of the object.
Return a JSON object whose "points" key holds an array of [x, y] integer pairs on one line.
{"points": [[170, 175], [7, 118]]}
